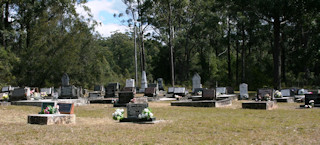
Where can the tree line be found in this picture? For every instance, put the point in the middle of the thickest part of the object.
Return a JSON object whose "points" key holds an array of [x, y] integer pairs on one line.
{"points": [[264, 43]]}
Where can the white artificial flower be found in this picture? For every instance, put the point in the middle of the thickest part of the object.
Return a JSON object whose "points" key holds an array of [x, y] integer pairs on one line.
{"points": [[139, 116], [146, 110], [151, 115]]}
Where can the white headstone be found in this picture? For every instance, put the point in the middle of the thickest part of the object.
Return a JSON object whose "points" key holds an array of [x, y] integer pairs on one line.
{"points": [[170, 89], [285, 92], [244, 90], [221, 90], [196, 82], [144, 83], [130, 83], [179, 90]]}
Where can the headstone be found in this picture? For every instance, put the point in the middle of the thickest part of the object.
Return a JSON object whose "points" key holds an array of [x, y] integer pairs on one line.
{"points": [[221, 90], [69, 92], [230, 90], [264, 91], [98, 88], [134, 109], [243, 91], [125, 97], [170, 90], [287, 93], [48, 91], [196, 82], [66, 108], [160, 84], [150, 92], [20, 94], [144, 83], [7, 89], [65, 79], [179, 90], [153, 85], [130, 83], [208, 94]]}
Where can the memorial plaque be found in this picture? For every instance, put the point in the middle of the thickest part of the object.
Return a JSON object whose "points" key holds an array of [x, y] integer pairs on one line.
{"points": [[44, 105], [125, 97], [7, 89], [221, 90], [66, 108], [48, 91], [134, 109], [208, 94]]}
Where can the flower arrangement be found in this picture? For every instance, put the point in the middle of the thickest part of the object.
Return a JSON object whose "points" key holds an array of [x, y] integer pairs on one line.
{"points": [[146, 114], [43, 94], [278, 94], [5, 97], [50, 110], [118, 115], [266, 97]]}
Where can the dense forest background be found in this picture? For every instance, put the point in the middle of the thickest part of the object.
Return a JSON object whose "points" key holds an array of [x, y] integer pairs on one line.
{"points": [[264, 43]]}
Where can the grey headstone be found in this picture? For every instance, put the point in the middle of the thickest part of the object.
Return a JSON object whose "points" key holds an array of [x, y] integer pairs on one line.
{"points": [[134, 109], [7, 89], [196, 82], [244, 90], [65, 79], [285, 93], [264, 91], [47, 90], [221, 90]]}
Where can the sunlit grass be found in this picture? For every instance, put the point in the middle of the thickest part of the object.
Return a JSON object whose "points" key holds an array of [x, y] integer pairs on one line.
{"points": [[181, 125]]}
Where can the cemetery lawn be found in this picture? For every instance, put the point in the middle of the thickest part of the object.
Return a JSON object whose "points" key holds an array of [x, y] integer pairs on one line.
{"points": [[180, 125]]}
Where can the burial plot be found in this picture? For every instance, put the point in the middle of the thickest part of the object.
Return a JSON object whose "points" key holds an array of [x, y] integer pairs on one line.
{"points": [[144, 83], [196, 82], [136, 108], [225, 92], [314, 97], [98, 92], [68, 91], [206, 100], [181, 91], [287, 96], [51, 119], [124, 98], [263, 100], [243, 91], [47, 92]]}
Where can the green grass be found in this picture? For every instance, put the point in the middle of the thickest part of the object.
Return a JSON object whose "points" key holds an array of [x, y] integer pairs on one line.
{"points": [[180, 125]]}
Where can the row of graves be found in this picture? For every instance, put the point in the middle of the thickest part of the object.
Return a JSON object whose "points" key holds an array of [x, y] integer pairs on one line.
{"points": [[33, 96], [103, 94]]}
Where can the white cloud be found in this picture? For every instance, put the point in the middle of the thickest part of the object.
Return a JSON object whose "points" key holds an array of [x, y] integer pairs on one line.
{"points": [[108, 7], [107, 30]]}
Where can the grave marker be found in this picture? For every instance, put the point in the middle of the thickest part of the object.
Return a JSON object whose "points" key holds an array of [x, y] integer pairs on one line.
{"points": [[66, 108], [208, 94], [196, 82], [243, 91]]}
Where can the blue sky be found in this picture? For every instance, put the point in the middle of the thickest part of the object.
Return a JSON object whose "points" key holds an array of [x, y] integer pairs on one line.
{"points": [[103, 11]]}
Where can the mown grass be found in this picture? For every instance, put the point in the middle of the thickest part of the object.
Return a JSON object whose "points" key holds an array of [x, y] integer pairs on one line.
{"points": [[180, 125]]}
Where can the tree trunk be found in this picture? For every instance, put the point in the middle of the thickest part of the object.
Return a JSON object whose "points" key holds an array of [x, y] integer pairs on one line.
{"points": [[276, 54], [229, 56], [283, 61], [170, 43], [243, 56]]}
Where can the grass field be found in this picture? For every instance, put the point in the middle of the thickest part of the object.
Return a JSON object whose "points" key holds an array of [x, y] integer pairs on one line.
{"points": [[180, 125]]}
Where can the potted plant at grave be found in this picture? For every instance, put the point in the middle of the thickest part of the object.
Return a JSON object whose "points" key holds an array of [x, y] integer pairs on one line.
{"points": [[146, 114], [50, 110], [277, 94], [118, 115]]}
